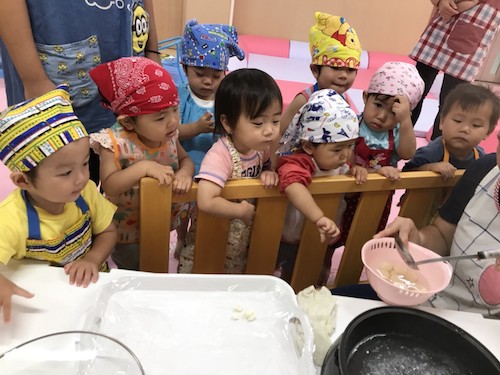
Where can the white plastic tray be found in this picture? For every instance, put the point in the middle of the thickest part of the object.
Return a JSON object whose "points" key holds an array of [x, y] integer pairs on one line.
{"points": [[185, 324]]}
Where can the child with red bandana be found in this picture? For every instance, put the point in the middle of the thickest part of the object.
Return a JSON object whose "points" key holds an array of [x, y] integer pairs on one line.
{"points": [[143, 143]]}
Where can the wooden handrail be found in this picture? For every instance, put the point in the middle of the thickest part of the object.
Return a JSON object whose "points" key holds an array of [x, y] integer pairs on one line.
{"points": [[423, 191]]}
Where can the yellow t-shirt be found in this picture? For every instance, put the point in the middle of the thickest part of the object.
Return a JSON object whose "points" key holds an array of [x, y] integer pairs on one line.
{"points": [[14, 220]]}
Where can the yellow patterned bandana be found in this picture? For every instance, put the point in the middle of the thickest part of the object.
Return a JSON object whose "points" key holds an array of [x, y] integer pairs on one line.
{"points": [[33, 130], [333, 42]]}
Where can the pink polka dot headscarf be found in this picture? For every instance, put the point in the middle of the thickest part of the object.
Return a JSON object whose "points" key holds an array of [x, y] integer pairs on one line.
{"points": [[398, 78], [135, 86]]}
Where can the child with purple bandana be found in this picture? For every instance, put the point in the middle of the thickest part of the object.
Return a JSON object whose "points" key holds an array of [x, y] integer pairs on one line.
{"points": [[336, 54]]}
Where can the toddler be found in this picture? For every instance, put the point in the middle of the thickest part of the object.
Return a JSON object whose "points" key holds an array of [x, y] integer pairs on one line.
{"points": [[143, 143], [336, 54], [56, 214], [385, 134], [321, 137], [385, 129], [206, 50], [248, 107], [469, 115]]}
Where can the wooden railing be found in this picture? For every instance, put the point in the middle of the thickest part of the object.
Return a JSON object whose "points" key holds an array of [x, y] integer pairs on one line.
{"points": [[423, 190]]}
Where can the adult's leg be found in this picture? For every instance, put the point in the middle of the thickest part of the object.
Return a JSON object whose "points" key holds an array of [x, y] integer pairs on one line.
{"points": [[449, 83], [428, 75]]}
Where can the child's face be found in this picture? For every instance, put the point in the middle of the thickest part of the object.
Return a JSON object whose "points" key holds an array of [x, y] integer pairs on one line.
{"points": [[378, 114], [259, 133], [204, 81], [155, 128], [338, 79], [330, 156], [61, 177], [463, 130]]}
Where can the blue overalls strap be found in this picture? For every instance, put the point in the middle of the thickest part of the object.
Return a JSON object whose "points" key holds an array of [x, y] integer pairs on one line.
{"points": [[82, 205], [34, 220]]}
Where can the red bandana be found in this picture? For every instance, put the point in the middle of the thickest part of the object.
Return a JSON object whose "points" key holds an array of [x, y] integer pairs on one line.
{"points": [[135, 86]]}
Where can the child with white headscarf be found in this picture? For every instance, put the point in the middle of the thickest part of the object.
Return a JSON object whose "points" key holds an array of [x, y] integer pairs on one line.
{"points": [[320, 138]]}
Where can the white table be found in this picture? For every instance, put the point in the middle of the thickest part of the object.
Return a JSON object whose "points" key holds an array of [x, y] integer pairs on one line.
{"points": [[58, 306]]}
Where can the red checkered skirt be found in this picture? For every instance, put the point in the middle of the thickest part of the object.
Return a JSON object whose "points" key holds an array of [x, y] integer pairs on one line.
{"points": [[459, 46]]}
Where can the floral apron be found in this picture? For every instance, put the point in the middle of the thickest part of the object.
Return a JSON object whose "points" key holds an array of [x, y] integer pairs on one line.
{"points": [[239, 233]]}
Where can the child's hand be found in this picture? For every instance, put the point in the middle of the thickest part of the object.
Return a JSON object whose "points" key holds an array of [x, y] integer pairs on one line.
{"points": [[447, 9], [360, 173], [269, 178], [401, 108], [327, 229], [389, 172], [445, 169], [247, 210], [7, 290], [205, 123], [163, 173], [182, 183], [81, 272]]}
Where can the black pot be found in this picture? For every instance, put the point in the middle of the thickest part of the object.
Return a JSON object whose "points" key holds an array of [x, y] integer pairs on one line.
{"points": [[399, 340]]}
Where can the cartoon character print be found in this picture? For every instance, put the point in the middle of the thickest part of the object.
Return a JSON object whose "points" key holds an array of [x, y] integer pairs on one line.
{"points": [[140, 28], [337, 28], [488, 286], [376, 161], [490, 277]]}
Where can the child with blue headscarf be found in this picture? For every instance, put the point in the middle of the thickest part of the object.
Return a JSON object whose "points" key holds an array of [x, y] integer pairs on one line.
{"points": [[206, 49]]}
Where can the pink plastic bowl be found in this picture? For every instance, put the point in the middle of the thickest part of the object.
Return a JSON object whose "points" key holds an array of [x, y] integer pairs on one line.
{"points": [[434, 276]]}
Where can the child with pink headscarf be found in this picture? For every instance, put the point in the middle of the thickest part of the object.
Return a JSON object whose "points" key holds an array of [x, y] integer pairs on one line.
{"points": [[143, 143], [385, 133]]}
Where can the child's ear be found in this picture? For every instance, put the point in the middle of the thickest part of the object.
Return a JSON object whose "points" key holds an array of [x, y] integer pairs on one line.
{"points": [[441, 118], [126, 122], [225, 124], [365, 96], [307, 146], [21, 180], [314, 70]]}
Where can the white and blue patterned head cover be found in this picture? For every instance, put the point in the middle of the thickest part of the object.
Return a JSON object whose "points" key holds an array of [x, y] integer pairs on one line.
{"points": [[325, 118]]}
